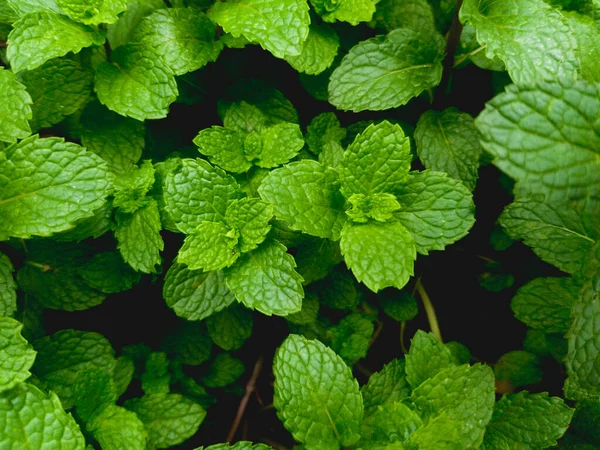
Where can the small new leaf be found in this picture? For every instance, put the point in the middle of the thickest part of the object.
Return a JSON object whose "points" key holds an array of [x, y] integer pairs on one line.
{"points": [[15, 108], [212, 246]]}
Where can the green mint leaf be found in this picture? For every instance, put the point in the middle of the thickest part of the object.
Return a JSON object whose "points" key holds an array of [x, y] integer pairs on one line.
{"points": [[379, 254], [318, 51], [351, 11], [587, 34], [123, 374], [8, 287], [523, 34], [114, 427], [463, 393], [93, 12], [35, 39], [414, 14], [306, 194], [16, 354], [230, 328], [401, 306], [56, 172], [136, 83], [585, 420], [212, 246], [93, 390], [240, 445], [324, 131], [190, 343], [58, 87], [557, 233], [250, 217], [119, 32], [184, 37], [223, 371], [279, 26], [131, 188], [377, 161], [244, 117], [264, 279], [391, 423], [156, 379], [460, 353], [379, 207], [316, 396], [34, 420], [61, 356], [546, 303], [546, 137], [195, 295], [316, 257], [22, 7], [224, 148], [387, 71], [386, 387], [197, 192], [280, 143], [339, 290], [108, 273], [440, 433], [170, 419], [350, 337], [519, 368], [449, 142], [139, 239], [94, 226], [426, 358], [15, 108], [437, 210], [530, 421], [309, 312]]}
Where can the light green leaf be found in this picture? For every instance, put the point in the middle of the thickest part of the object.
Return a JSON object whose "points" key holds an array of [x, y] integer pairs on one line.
{"points": [[116, 139], [223, 371], [224, 148], [379, 207], [139, 239], [120, 32], [449, 142], [92, 391], [22, 7], [529, 421], [123, 374], [387, 71], [8, 287], [392, 423], [426, 358], [94, 226], [195, 295], [40, 36], [250, 217], [264, 279], [463, 393], [351, 11], [318, 51], [170, 419], [316, 396], [157, 378], [386, 387], [197, 192], [15, 108], [230, 328], [519, 368], [108, 273], [131, 188], [529, 36], [350, 338], [33, 420], [414, 14], [48, 184], [212, 246], [437, 210], [279, 26], [587, 34], [184, 37], [93, 12], [546, 136], [546, 303], [16, 355], [379, 254], [116, 428], [440, 433], [323, 131], [280, 143], [244, 117], [62, 355], [136, 83], [306, 194]]}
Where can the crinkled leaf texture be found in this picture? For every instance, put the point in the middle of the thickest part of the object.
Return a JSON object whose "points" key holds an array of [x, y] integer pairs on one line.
{"points": [[16, 354], [93, 12], [427, 356], [351, 11], [230, 328], [15, 108], [387, 386], [316, 396], [318, 51], [114, 427], [212, 246], [8, 287]]}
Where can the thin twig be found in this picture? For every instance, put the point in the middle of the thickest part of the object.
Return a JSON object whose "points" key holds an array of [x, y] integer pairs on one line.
{"points": [[250, 387], [402, 344], [376, 333], [429, 310], [452, 42]]}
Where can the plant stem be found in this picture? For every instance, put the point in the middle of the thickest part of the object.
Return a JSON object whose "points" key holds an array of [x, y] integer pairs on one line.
{"points": [[402, 329], [250, 387], [429, 310], [42, 267], [452, 41]]}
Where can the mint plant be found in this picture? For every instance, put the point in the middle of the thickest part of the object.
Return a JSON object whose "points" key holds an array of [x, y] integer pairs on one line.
{"points": [[229, 224]]}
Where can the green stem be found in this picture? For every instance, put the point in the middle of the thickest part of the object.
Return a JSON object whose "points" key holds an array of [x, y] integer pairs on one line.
{"points": [[429, 310], [42, 267]]}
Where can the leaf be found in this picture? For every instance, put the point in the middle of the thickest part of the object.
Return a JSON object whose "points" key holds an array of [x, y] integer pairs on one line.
{"points": [[35, 39], [437, 210], [48, 184], [387, 71], [94, 226], [196, 192], [316, 396], [309, 312], [224, 148], [16, 355], [351, 11], [379, 207], [377, 161], [279, 26], [448, 142], [546, 303], [108, 273], [139, 239], [230, 328], [62, 355], [115, 428], [170, 419], [195, 295], [379, 254], [31, 419], [530, 421], [463, 393], [120, 32], [15, 109], [250, 217], [184, 37], [131, 188], [280, 143], [316, 257], [22, 7], [122, 374], [223, 371], [136, 83], [92, 391], [519, 368], [400, 307], [190, 343], [116, 139], [240, 445], [306, 194], [528, 36], [318, 51], [339, 290], [264, 279], [426, 358], [8, 287], [587, 34], [414, 14], [441, 432], [212, 246], [324, 131], [392, 423], [93, 12], [546, 137], [350, 338], [386, 387], [157, 378]]}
